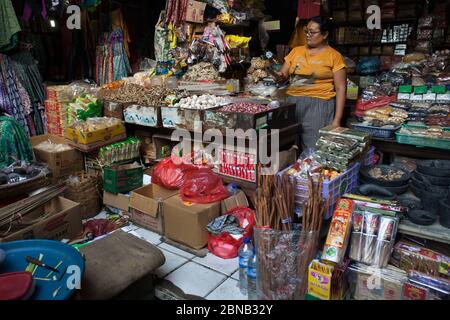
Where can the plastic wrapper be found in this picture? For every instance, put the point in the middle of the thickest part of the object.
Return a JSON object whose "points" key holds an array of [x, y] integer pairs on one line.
{"points": [[52, 147], [203, 186], [84, 107], [225, 245], [95, 124], [432, 288], [336, 143], [368, 65], [373, 237], [238, 41], [283, 260], [81, 87], [169, 175], [120, 151], [339, 233], [370, 283], [262, 90], [408, 256], [399, 105]]}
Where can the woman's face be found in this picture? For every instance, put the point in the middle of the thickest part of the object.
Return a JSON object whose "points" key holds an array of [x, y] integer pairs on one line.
{"points": [[314, 37]]}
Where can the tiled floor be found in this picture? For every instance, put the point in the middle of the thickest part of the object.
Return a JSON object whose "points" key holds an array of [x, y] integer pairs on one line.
{"points": [[210, 277]]}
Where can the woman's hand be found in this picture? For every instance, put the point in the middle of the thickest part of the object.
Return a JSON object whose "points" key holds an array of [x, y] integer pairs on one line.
{"points": [[283, 74], [336, 123]]}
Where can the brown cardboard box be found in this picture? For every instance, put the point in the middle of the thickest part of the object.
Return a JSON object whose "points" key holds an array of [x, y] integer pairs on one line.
{"points": [[147, 222], [61, 164], [238, 200], [64, 222], [146, 210], [186, 224], [119, 201]]}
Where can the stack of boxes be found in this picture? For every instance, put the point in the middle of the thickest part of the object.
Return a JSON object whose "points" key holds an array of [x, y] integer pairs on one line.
{"points": [[238, 164], [56, 109]]}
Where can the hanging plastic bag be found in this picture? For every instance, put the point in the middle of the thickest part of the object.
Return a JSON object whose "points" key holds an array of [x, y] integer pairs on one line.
{"points": [[169, 175], [203, 186], [225, 245]]}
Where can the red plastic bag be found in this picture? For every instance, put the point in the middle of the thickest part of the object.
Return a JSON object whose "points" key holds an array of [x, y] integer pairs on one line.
{"points": [[374, 103], [203, 186], [224, 245], [246, 217], [169, 175]]}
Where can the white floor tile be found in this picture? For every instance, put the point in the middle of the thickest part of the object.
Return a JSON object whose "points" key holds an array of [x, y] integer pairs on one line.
{"points": [[175, 250], [147, 235], [195, 280], [225, 266], [228, 290], [173, 261], [235, 275], [130, 227]]}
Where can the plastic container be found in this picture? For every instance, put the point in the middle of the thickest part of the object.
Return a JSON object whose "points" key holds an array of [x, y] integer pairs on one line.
{"points": [[376, 131], [252, 277], [245, 254], [423, 141], [283, 258], [369, 158], [347, 182]]}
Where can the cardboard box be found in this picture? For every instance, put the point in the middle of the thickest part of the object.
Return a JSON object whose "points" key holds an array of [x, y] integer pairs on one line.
{"points": [[64, 222], [186, 223], [122, 179], [147, 222], [61, 164], [87, 142], [238, 200], [147, 206], [119, 201]]}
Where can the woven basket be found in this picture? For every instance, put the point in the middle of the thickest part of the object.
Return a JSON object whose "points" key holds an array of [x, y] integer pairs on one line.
{"points": [[85, 193]]}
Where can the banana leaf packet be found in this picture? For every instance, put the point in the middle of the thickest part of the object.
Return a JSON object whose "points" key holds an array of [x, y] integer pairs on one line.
{"points": [[347, 133]]}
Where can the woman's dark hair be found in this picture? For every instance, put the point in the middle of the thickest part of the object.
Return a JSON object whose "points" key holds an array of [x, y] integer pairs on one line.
{"points": [[325, 23]]}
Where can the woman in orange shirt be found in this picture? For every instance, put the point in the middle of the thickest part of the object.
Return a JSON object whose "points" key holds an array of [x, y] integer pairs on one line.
{"points": [[318, 82]]}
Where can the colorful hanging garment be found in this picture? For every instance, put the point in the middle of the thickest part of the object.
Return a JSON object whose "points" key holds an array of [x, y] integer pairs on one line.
{"points": [[14, 143], [112, 61]]}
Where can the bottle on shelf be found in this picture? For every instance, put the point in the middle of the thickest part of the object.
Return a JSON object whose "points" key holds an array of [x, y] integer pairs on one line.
{"points": [[245, 254]]}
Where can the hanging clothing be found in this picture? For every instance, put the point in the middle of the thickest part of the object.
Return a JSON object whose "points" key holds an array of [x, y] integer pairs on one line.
{"points": [[28, 74], [111, 61], [9, 26], [14, 143], [22, 93], [10, 100], [117, 22]]}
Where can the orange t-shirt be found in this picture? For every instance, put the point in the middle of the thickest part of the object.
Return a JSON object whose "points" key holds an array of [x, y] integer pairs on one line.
{"points": [[315, 72]]}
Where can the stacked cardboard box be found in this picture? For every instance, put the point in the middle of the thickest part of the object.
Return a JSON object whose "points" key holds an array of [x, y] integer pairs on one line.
{"points": [[56, 109], [62, 163]]}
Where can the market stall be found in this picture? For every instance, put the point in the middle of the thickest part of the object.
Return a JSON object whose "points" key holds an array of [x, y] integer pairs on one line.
{"points": [[200, 148]]}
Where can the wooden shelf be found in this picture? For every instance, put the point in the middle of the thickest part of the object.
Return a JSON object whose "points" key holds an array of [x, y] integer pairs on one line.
{"points": [[435, 232]]}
